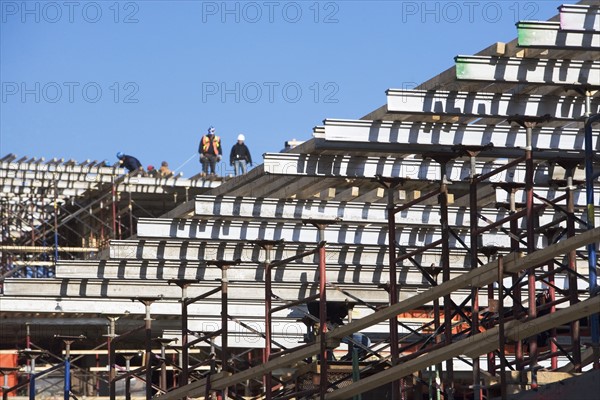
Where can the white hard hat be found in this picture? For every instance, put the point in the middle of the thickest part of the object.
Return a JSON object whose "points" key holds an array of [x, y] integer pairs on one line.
{"points": [[241, 137]]}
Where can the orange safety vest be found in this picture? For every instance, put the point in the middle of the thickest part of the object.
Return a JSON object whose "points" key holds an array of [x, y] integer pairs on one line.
{"points": [[206, 144]]}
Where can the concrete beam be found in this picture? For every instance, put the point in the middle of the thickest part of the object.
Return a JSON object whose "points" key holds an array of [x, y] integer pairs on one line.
{"points": [[325, 166], [248, 209], [530, 71], [56, 167], [300, 274], [417, 236], [577, 17], [122, 289], [485, 105], [549, 35]]}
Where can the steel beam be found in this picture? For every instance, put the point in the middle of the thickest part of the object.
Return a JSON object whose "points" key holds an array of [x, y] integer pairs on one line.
{"points": [[548, 35], [530, 71], [485, 105]]}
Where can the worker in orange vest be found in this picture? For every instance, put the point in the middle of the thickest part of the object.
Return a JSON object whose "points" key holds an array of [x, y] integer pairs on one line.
{"points": [[210, 151]]}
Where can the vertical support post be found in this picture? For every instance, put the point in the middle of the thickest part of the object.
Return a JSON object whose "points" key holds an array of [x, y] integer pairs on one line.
{"points": [[571, 277], [532, 310], [185, 357], [185, 302], [148, 323], [267, 378], [114, 209], [393, 283], [323, 381], [514, 247], [443, 197], [355, 371], [163, 367], [128, 358], [32, 383], [111, 357], [592, 255], [31, 357], [529, 124], [323, 364], [55, 223], [68, 340], [28, 339], [474, 264], [552, 294], [130, 207], [224, 321], [501, 337]]}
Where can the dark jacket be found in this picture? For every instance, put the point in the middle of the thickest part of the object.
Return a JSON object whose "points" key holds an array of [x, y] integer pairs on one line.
{"points": [[131, 163], [240, 152]]}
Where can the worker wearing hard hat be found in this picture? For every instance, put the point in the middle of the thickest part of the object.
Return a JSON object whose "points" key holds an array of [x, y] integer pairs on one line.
{"points": [[132, 164], [210, 151], [240, 156]]}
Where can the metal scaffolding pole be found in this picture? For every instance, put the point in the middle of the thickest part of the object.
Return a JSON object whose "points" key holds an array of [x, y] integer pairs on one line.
{"points": [[393, 283], [112, 392], [445, 261], [185, 359], [473, 208], [501, 338], [268, 245], [532, 310], [68, 340], [592, 255], [148, 330], [529, 124], [163, 355], [224, 265], [550, 233], [514, 247], [128, 358], [114, 209], [321, 225]]}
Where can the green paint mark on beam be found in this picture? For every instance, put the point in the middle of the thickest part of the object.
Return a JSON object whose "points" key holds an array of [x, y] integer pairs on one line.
{"points": [[526, 36], [461, 68]]}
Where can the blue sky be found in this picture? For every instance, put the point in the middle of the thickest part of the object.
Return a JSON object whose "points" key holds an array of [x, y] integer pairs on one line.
{"points": [[84, 79]]}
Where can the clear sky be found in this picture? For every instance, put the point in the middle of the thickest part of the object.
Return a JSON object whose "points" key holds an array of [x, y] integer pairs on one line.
{"points": [[85, 79]]}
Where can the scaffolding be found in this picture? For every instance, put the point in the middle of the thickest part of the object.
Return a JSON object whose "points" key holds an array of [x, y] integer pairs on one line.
{"points": [[455, 227]]}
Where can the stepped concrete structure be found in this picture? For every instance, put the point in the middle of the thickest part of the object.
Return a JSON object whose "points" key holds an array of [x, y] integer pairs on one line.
{"points": [[444, 245]]}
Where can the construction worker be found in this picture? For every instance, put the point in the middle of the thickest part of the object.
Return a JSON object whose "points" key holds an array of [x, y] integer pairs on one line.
{"points": [[240, 156], [210, 151], [164, 171], [151, 171], [132, 164]]}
